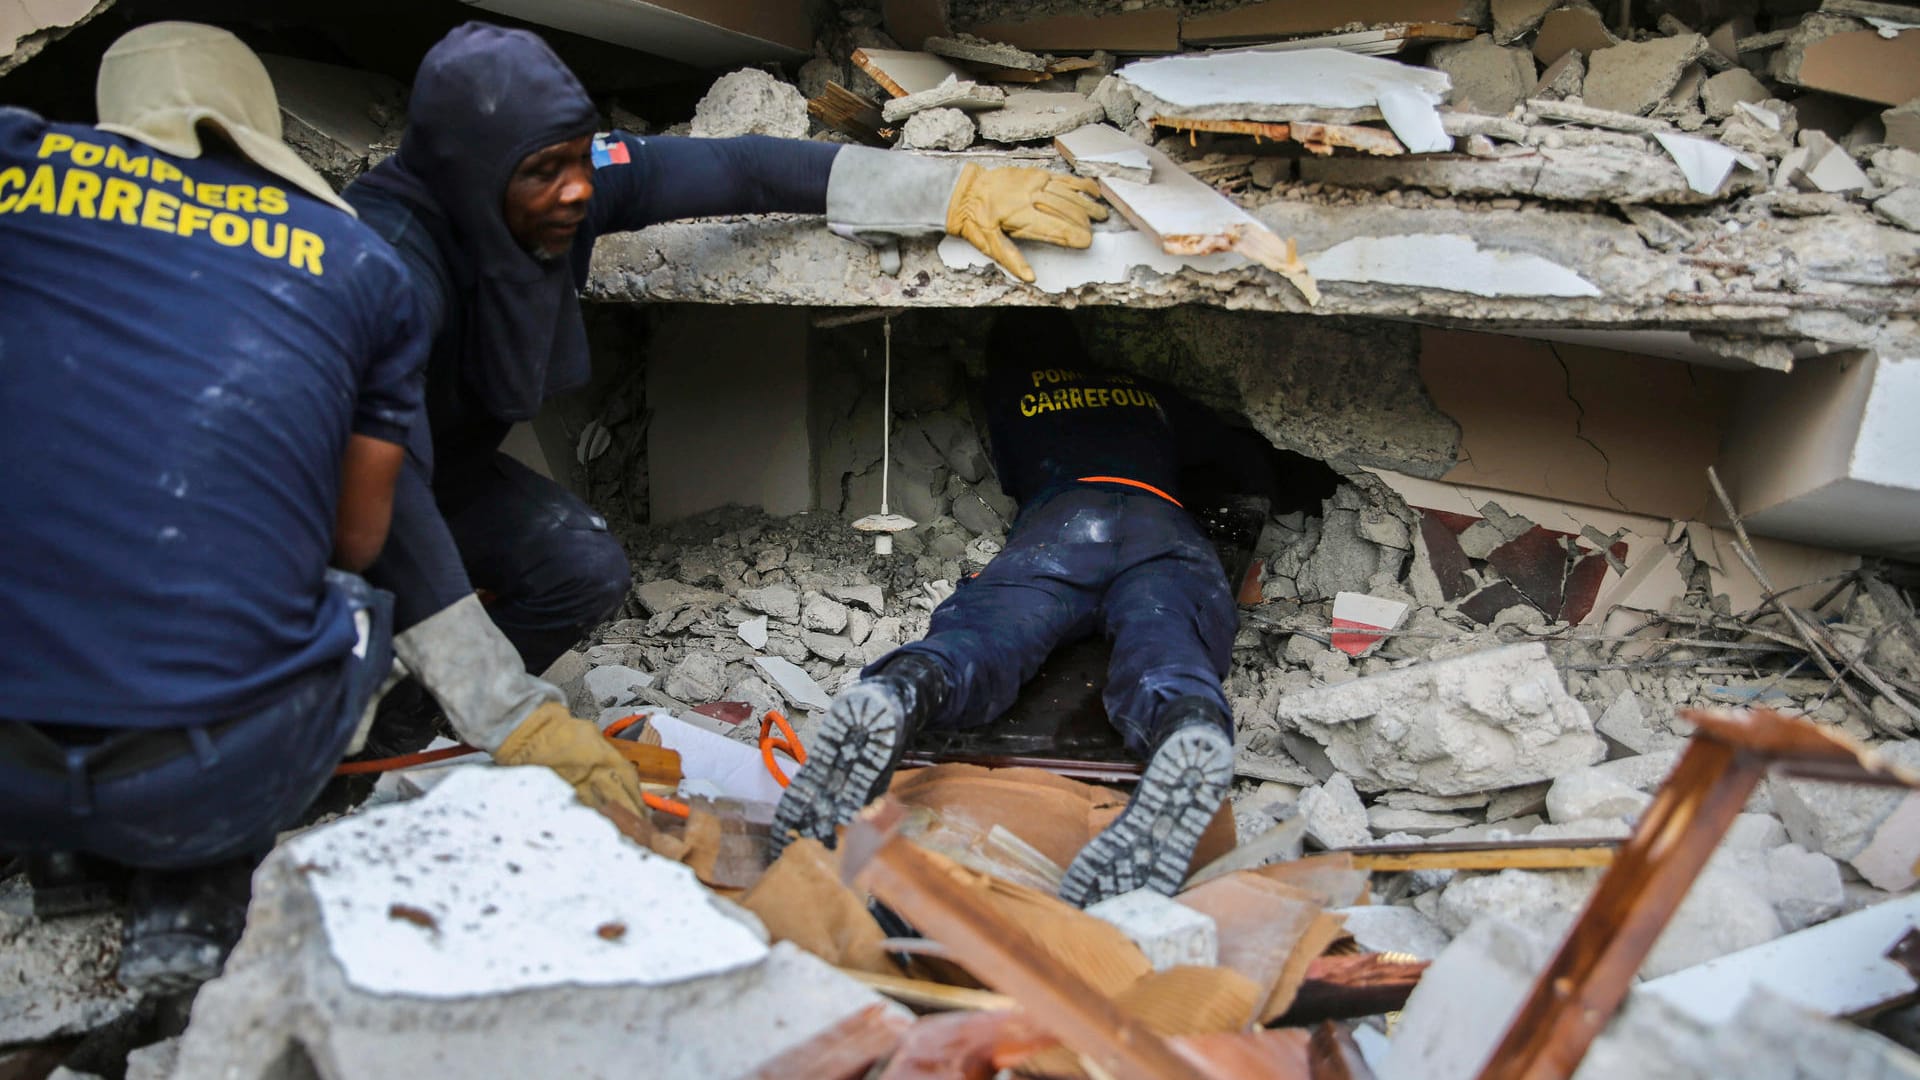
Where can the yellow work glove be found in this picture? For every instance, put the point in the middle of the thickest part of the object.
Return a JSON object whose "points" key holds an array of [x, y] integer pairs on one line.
{"points": [[575, 749], [990, 205]]}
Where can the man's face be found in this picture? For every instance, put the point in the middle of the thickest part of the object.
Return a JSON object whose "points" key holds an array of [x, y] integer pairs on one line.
{"points": [[547, 197]]}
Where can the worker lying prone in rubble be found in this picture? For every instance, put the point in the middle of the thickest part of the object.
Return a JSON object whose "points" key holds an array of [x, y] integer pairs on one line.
{"points": [[207, 373], [494, 200], [1101, 544]]}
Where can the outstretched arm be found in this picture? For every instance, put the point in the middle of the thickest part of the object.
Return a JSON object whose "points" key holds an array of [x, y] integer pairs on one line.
{"points": [[865, 193], [641, 181]]}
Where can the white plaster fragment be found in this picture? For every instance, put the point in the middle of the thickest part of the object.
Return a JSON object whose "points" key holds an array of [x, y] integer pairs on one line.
{"points": [[1445, 261], [1110, 260], [1705, 162], [1321, 78], [478, 888], [754, 632], [794, 682]]}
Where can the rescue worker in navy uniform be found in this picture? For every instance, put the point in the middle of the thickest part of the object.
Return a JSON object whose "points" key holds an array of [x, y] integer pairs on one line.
{"points": [[494, 200], [1101, 545], [207, 372]]}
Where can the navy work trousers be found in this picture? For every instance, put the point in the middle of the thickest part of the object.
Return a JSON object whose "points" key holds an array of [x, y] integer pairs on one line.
{"points": [[1089, 560], [549, 568], [218, 792]]}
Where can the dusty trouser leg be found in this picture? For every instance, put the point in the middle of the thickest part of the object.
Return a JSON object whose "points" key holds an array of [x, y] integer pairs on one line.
{"points": [[190, 810], [552, 568], [986, 640], [1172, 620]]}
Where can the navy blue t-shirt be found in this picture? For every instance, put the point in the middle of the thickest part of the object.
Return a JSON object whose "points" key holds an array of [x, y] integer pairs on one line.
{"points": [[184, 347], [1052, 424]]}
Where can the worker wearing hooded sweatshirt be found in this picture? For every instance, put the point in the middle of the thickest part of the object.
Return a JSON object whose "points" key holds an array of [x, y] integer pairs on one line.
{"points": [[1102, 545], [494, 200], [208, 369]]}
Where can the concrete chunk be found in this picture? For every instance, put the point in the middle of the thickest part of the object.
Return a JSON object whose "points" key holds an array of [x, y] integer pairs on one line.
{"points": [[1633, 77], [953, 94], [1585, 793], [1392, 928], [615, 684], [1846, 820], [668, 595], [1472, 723], [1902, 207], [1721, 95], [1169, 932], [430, 938], [698, 678], [1333, 814], [1487, 78], [1388, 819], [1903, 125], [1031, 114], [936, 129], [750, 102]]}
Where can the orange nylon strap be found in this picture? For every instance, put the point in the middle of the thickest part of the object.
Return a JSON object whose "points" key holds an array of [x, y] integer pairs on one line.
{"points": [[1129, 483]]}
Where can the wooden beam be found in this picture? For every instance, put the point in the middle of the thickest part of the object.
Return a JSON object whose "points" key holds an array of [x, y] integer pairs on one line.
{"points": [[850, 114], [656, 764], [930, 996], [1573, 855]]}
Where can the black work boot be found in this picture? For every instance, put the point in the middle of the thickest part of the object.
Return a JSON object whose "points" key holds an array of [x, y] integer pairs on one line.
{"points": [[853, 757], [181, 924], [1150, 844]]}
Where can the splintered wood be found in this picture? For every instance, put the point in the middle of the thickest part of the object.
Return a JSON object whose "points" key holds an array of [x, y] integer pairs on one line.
{"points": [[1183, 213], [901, 73]]}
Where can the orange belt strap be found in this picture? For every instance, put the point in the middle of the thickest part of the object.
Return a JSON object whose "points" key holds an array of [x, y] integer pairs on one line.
{"points": [[1129, 483]]}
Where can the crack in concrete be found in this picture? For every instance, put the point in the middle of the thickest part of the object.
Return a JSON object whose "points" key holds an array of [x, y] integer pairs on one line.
{"points": [[1579, 427]]}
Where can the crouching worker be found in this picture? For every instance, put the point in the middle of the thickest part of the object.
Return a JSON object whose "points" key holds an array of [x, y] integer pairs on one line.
{"points": [[207, 371], [1101, 545]]}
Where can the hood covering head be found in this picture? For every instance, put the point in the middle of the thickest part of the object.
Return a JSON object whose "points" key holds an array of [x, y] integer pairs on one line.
{"points": [[158, 83], [485, 98]]}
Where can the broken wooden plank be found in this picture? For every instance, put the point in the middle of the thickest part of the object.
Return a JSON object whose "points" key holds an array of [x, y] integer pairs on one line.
{"points": [[1185, 215], [922, 994], [1323, 138], [1001, 953], [1258, 129], [1576, 995], [1348, 987], [1150, 30], [900, 72], [850, 114], [656, 764], [844, 1051], [1486, 855]]}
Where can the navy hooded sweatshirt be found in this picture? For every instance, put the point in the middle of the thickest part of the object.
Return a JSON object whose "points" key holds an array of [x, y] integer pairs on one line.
{"points": [[509, 330]]}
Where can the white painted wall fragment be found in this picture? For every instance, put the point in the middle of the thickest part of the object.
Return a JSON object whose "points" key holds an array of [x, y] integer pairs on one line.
{"points": [[1109, 261], [1445, 261], [1705, 162], [500, 880], [1244, 82]]}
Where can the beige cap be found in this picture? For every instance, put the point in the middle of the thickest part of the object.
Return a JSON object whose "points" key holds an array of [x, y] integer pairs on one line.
{"points": [[159, 82]]}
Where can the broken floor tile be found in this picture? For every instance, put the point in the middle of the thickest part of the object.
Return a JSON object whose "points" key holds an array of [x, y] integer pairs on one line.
{"points": [[1536, 563]]}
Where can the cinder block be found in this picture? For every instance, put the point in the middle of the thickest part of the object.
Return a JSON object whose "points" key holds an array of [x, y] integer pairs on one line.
{"points": [[1170, 933]]}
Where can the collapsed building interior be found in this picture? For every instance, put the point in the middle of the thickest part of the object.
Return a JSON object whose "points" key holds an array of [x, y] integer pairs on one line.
{"points": [[1580, 392]]}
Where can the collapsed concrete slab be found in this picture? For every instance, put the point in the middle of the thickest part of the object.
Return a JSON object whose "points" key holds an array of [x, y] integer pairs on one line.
{"points": [[1486, 720], [431, 938]]}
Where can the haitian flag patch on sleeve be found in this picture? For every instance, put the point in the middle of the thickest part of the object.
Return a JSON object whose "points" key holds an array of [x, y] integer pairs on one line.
{"points": [[608, 150]]}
